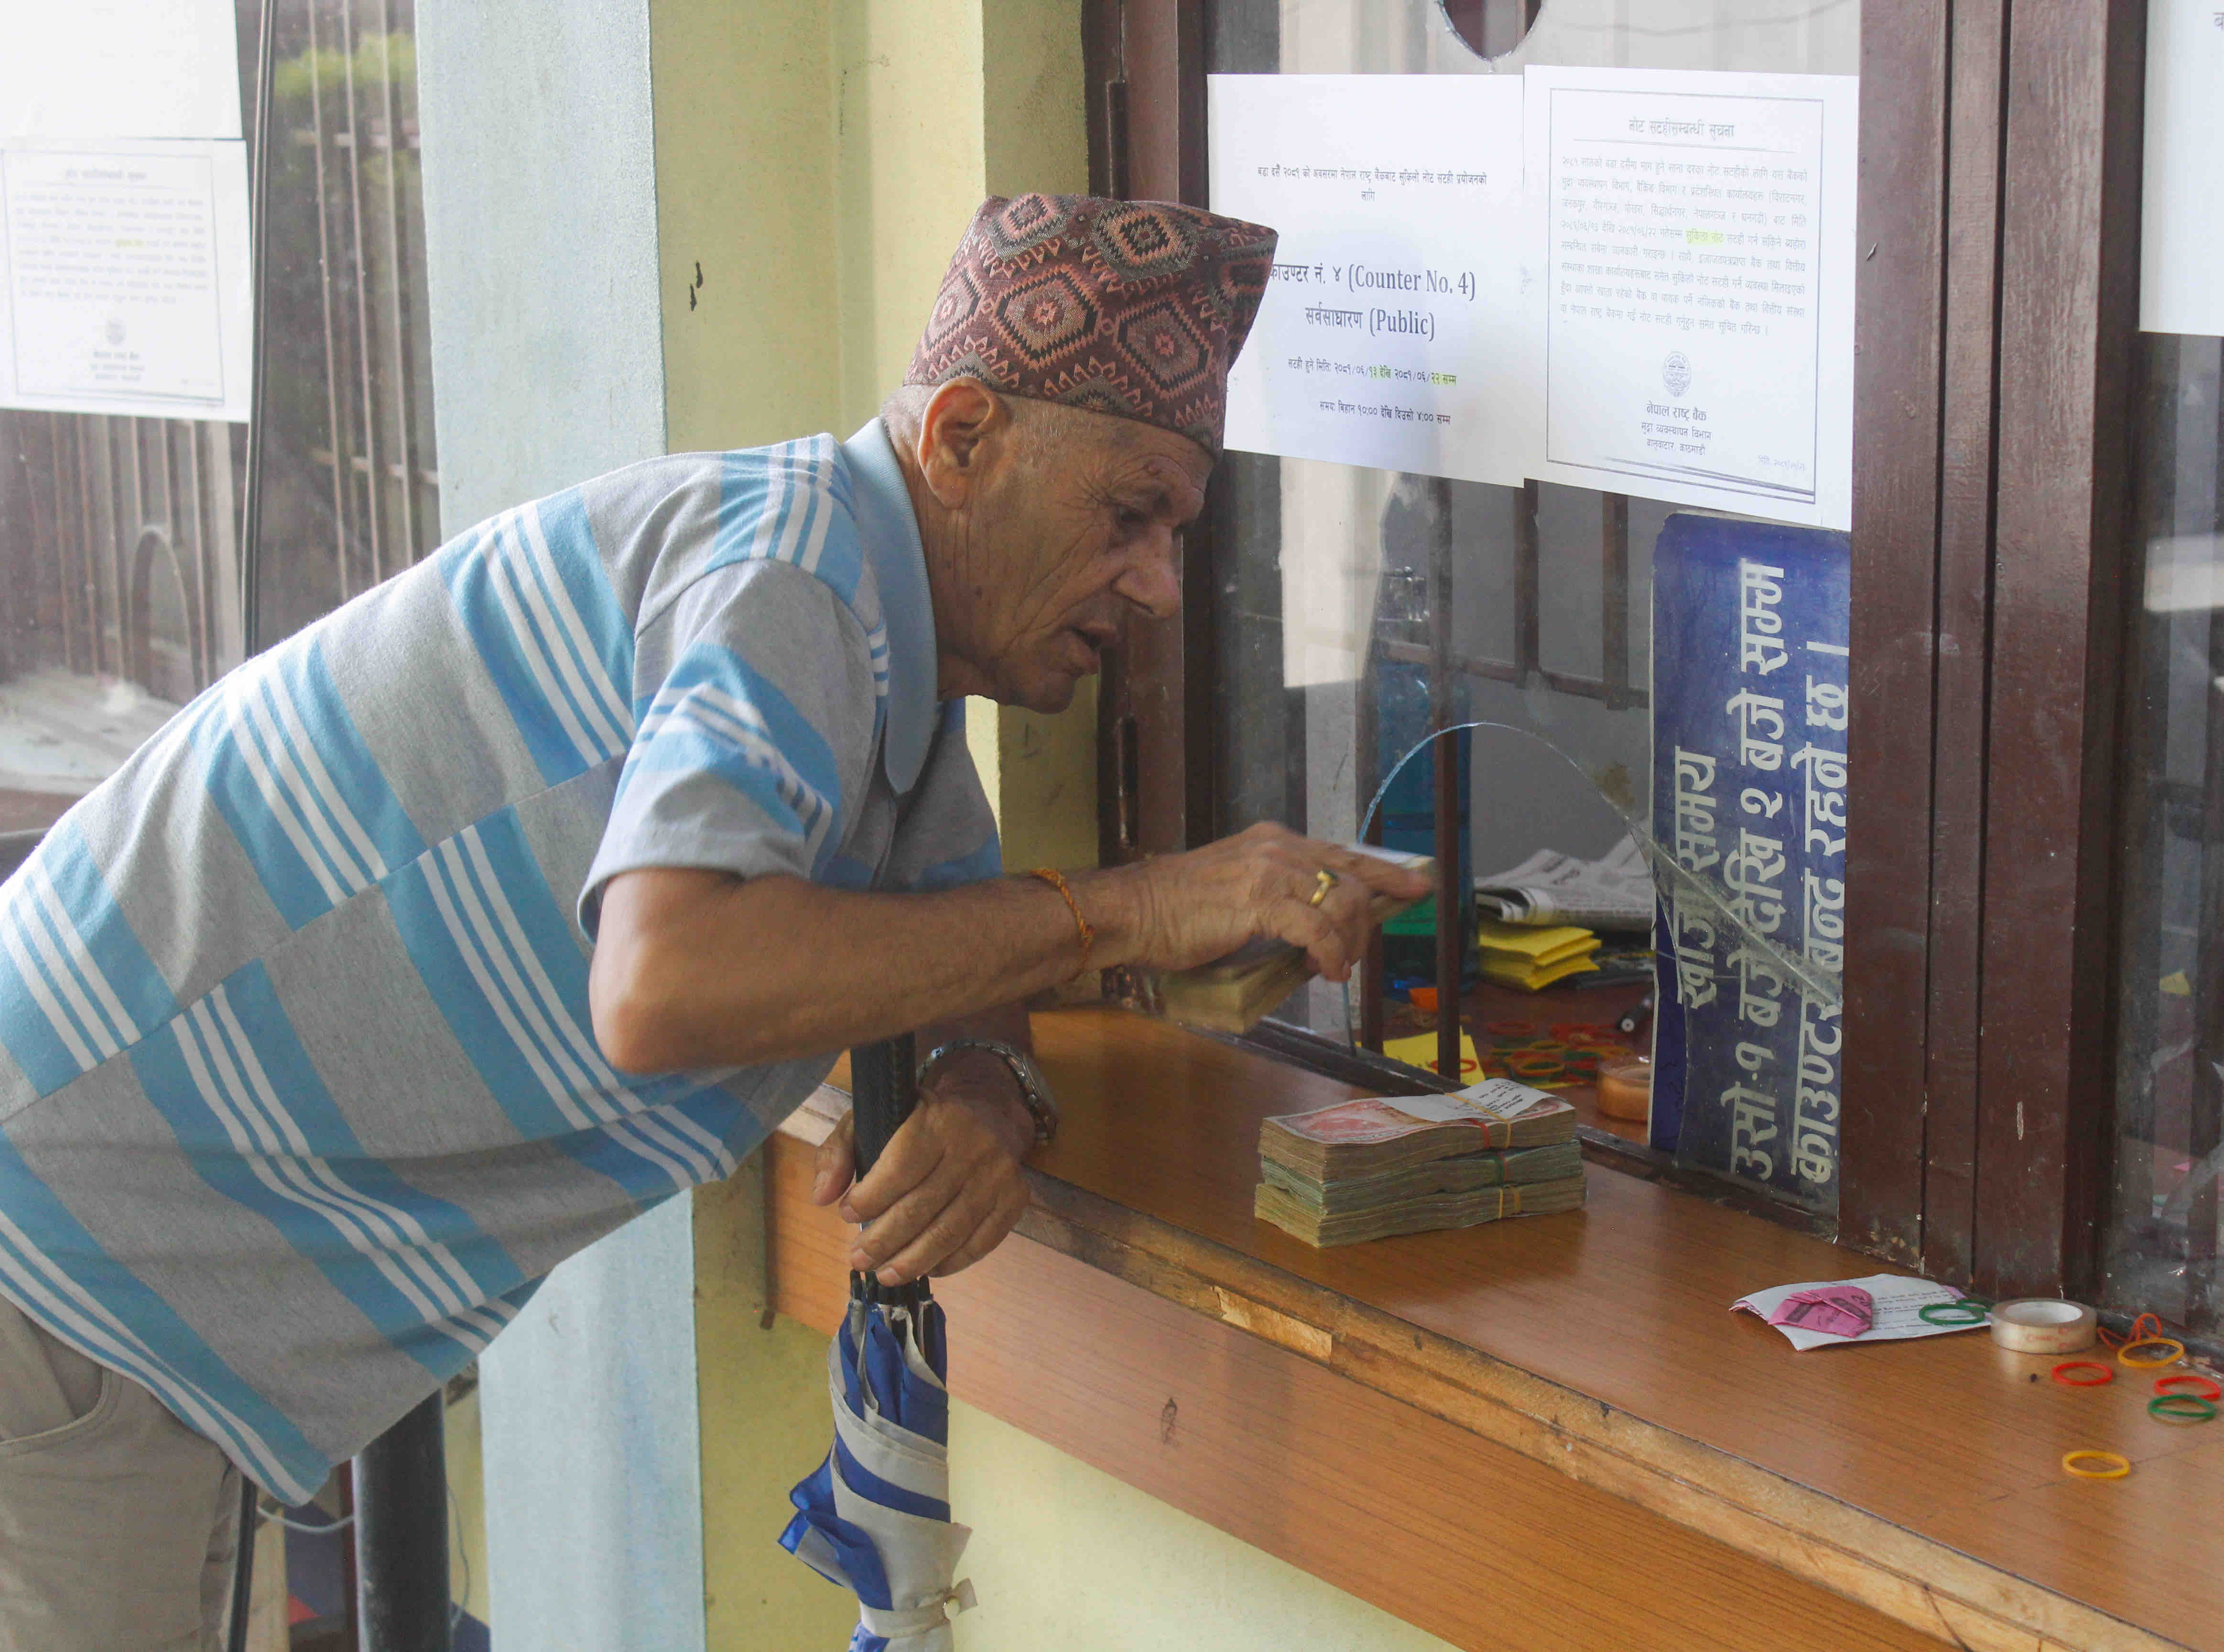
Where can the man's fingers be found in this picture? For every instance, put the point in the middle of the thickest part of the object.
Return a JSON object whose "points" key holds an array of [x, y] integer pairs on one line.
{"points": [[837, 1164], [1372, 870], [909, 1215], [909, 1158], [951, 1228], [1325, 941], [987, 1236]]}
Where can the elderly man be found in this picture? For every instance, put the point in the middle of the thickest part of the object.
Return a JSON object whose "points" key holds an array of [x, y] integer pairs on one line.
{"points": [[539, 884]]}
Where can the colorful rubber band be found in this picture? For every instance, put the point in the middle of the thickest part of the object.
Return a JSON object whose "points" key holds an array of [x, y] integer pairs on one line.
{"points": [[2102, 1377], [2204, 1389], [2176, 1353], [2145, 1326], [2181, 1407], [1971, 1312], [2070, 1460]]}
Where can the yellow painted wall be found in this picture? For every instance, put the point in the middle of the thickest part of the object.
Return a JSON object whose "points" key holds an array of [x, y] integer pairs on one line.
{"points": [[816, 162], [1041, 775], [761, 1386], [818, 159], [467, 1556], [746, 182], [1064, 1555], [1033, 135], [744, 194], [907, 109]]}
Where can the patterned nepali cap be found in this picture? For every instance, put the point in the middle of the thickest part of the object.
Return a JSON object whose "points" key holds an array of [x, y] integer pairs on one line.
{"points": [[1135, 308]]}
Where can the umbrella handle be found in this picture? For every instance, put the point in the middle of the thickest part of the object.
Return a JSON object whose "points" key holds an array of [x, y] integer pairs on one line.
{"points": [[883, 1088]]}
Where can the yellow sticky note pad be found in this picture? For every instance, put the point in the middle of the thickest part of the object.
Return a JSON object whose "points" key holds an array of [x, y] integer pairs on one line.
{"points": [[1420, 1050]]}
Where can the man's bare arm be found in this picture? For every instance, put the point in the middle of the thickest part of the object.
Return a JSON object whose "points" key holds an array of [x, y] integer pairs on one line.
{"points": [[699, 968]]}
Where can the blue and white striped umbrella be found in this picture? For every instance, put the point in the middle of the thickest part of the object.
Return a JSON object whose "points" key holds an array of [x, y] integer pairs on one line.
{"points": [[876, 1515]]}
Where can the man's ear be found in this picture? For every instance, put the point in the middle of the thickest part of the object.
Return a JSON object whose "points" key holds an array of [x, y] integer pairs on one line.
{"points": [[962, 423]]}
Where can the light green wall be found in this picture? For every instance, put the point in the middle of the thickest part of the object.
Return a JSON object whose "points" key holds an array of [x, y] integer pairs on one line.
{"points": [[1064, 1555]]}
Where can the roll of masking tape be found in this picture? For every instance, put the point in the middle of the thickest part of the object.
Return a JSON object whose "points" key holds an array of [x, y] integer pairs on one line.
{"points": [[2044, 1325], [1625, 1090]]}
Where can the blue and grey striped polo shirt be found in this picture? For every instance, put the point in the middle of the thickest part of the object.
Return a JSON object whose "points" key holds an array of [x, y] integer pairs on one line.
{"points": [[298, 1097]]}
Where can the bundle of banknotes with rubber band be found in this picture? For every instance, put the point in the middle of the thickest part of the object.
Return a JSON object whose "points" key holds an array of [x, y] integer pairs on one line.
{"points": [[1231, 994], [1367, 1168]]}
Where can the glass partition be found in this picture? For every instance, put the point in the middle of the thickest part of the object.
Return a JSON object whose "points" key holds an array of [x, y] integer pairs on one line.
{"points": [[2161, 1250], [1356, 610]]}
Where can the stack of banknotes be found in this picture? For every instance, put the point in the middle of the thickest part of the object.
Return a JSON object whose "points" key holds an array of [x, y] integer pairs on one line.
{"points": [[1369, 1168], [1232, 994]]}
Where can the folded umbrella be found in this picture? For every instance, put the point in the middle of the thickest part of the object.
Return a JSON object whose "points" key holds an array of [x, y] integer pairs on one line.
{"points": [[875, 1517]]}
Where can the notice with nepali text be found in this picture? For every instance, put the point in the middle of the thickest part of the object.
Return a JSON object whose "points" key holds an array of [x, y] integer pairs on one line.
{"points": [[1694, 324], [1389, 336]]}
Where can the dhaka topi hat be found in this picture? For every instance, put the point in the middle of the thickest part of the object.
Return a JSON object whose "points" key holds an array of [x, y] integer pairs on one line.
{"points": [[1132, 307]]}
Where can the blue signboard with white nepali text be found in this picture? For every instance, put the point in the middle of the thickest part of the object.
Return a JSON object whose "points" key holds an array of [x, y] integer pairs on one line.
{"points": [[1750, 625]]}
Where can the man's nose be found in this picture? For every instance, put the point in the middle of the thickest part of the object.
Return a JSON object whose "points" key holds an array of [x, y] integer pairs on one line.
{"points": [[1153, 583]]}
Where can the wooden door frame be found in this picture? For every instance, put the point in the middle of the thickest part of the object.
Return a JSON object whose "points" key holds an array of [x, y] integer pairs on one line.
{"points": [[2000, 196], [1997, 249]]}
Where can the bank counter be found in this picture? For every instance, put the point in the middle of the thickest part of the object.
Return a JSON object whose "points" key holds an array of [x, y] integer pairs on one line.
{"points": [[1542, 1431]]}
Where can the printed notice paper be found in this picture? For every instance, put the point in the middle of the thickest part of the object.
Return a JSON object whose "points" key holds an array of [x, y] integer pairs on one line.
{"points": [[1390, 333], [124, 279], [1636, 280], [1694, 324], [2181, 220], [118, 68]]}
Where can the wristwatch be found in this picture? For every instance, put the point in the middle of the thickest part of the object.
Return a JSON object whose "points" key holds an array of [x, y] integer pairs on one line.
{"points": [[1034, 1090]]}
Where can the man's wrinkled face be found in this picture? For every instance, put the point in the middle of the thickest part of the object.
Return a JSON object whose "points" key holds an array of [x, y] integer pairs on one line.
{"points": [[1077, 527]]}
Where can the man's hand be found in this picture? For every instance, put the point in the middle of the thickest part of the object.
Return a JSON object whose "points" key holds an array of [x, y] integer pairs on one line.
{"points": [[1181, 910], [948, 1188]]}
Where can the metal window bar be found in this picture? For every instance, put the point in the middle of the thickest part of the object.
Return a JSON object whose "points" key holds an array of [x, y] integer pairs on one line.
{"points": [[1443, 755]]}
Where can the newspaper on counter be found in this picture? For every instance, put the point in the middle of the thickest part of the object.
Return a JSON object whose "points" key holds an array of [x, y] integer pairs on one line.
{"points": [[1550, 888]]}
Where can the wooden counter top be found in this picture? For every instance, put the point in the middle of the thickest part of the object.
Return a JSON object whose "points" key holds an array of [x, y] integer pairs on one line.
{"points": [[1921, 1478]]}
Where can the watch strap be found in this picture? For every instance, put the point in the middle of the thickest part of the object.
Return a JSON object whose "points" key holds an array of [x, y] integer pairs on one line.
{"points": [[1034, 1092]]}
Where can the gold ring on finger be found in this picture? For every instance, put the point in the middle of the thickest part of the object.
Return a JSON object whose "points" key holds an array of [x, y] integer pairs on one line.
{"points": [[1324, 881]]}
